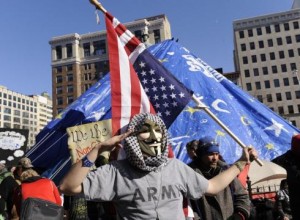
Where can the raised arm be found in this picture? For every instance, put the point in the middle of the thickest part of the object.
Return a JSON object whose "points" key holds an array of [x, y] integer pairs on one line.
{"points": [[222, 180], [71, 183]]}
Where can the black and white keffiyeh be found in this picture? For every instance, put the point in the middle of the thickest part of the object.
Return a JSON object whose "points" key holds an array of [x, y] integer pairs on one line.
{"points": [[133, 150]]}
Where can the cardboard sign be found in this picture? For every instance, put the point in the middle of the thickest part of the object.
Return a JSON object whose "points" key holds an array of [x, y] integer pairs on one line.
{"points": [[83, 138]]}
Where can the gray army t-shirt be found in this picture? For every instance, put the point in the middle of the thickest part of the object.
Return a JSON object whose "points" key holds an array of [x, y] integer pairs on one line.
{"points": [[145, 195]]}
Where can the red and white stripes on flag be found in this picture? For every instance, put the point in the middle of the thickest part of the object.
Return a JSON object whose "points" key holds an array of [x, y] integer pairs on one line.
{"points": [[128, 96]]}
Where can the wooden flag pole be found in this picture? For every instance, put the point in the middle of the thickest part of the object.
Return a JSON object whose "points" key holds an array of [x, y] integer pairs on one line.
{"points": [[98, 5], [201, 105]]}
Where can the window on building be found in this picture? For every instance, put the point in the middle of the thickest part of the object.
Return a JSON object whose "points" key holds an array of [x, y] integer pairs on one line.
{"points": [[243, 47], [296, 25], [288, 39], [247, 73], [263, 57], [7, 110], [286, 81], [260, 98], [280, 110], [87, 66], [278, 97], [59, 101], [279, 41], [270, 43], [281, 54], [58, 51], [86, 49], [99, 47], [70, 77], [245, 60], [70, 88], [293, 67], [277, 27], [283, 68], [297, 38], [249, 86], [241, 34], [258, 85], [276, 83], [258, 31], [69, 67], [295, 80], [17, 112], [69, 48], [255, 72], [254, 59], [70, 99], [267, 84], [274, 69], [286, 26], [261, 44], [297, 93], [58, 69], [291, 53], [59, 90], [288, 95], [265, 70], [269, 98], [250, 33], [59, 79], [252, 46], [291, 109], [157, 37], [272, 56], [268, 30]]}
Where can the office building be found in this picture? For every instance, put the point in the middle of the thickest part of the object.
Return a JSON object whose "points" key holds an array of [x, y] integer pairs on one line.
{"points": [[25, 112], [78, 61], [267, 55]]}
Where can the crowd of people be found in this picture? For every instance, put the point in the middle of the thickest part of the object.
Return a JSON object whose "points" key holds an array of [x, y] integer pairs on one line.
{"points": [[149, 183]]}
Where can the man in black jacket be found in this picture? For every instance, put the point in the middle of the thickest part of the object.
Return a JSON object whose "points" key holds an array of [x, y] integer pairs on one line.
{"points": [[291, 162], [233, 202]]}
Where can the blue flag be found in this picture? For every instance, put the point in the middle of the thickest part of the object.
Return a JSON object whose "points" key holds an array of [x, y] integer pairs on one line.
{"points": [[251, 121]]}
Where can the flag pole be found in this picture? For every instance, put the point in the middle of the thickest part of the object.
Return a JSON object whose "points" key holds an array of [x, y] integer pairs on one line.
{"points": [[98, 5], [201, 105]]}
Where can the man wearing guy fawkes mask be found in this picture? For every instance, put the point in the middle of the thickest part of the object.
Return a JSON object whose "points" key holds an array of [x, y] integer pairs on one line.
{"points": [[147, 184], [231, 203]]}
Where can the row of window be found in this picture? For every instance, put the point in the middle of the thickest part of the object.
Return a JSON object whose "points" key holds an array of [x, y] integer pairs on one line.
{"points": [[276, 84], [278, 96], [290, 110], [18, 126], [269, 29], [17, 99], [270, 43], [59, 100], [272, 56], [69, 78], [68, 68], [59, 89], [274, 69], [17, 105], [8, 118], [69, 51], [17, 112]]}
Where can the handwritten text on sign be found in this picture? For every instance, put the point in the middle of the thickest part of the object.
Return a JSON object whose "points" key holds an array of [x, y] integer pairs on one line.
{"points": [[83, 138]]}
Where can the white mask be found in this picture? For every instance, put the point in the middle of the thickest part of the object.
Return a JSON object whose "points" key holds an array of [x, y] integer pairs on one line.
{"points": [[149, 138]]}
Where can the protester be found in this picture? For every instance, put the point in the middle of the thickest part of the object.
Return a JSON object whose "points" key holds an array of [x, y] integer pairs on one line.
{"points": [[35, 186], [233, 201], [147, 184], [282, 207], [291, 162], [7, 187]]}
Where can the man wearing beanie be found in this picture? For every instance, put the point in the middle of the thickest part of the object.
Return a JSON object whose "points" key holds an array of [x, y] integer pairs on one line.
{"points": [[291, 162], [233, 202]]}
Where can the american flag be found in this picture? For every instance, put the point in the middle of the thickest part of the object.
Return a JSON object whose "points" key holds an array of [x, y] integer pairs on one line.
{"points": [[139, 82]]}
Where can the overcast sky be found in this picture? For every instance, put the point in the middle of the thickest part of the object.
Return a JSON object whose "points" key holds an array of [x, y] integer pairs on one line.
{"points": [[204, 27]]}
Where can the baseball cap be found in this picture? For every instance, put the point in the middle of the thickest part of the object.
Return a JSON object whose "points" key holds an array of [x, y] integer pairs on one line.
{"points": [[206, 146], [25, 163]]}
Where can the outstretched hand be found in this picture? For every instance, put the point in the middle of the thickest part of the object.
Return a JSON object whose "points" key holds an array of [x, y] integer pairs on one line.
{"points": [[113, 142]]}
